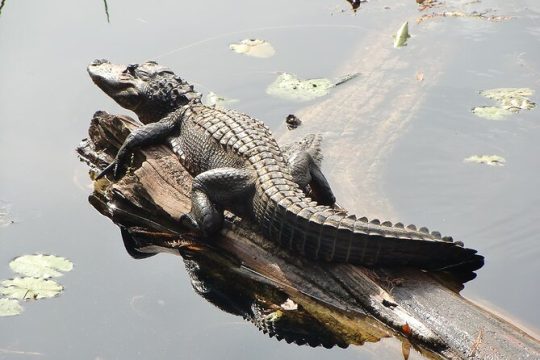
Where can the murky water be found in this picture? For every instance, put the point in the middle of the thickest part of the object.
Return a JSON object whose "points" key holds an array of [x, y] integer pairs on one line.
{"points": [[116, 307]]}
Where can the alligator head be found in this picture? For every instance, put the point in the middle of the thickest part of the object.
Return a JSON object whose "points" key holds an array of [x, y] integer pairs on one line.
{"points": [[149, 89]]}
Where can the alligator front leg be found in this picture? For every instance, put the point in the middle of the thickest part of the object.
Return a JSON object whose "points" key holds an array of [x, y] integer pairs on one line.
{"points": [[214, 190], [150, 134]]}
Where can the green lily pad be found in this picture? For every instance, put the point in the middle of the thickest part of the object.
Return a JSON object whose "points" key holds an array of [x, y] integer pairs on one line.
{"points": [[27, 288], [290, 87], [491, 160], [213, 99], [400, 39], [10, 307], [253, 47], [42, 266], [491, 112]]}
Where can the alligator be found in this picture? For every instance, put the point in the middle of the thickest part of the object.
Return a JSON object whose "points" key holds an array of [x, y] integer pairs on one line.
{"points": [[238, 166]]}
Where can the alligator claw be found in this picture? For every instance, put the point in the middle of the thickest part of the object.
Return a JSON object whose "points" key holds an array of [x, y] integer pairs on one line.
{"points": [[107, 170], [189, 222]]}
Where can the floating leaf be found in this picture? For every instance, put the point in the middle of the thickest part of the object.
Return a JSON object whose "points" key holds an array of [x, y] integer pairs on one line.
{"points": [[10, 307], [253, 47], [288, 86], [26, 288], [513, 99], [400, 39], [213, 99], [43, 266], [491, 112], [491, 160]]}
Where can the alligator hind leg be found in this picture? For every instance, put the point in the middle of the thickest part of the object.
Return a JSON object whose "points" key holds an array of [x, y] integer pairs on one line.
{"points": [[211, 192], [305, 171]]}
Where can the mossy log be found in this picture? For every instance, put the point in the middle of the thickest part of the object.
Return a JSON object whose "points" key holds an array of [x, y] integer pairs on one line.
{"points": [[349, 304]]}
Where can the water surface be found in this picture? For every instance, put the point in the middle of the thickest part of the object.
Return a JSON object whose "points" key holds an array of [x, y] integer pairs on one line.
{"points": [[116, 307]]}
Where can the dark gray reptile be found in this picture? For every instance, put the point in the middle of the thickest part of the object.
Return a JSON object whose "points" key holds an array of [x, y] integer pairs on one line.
{"points": [[237, 165]]}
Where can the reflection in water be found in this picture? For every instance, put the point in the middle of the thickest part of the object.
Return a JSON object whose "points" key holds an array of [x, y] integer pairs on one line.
{"points": [[2, 5], [107, 11], [226, 283]]}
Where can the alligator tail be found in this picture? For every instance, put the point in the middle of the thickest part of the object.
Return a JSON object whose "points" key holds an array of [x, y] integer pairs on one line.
{"points": [[323, 233]]}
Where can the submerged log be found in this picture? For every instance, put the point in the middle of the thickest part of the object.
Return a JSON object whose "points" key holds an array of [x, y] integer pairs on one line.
{"points": [[294, 299]]}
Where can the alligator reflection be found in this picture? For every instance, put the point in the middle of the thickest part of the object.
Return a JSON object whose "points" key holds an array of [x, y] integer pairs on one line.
{"points": [[275, 310]]}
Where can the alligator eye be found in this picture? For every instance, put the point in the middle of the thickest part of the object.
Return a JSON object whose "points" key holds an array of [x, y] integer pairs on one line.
{"points": [[130, 69]]}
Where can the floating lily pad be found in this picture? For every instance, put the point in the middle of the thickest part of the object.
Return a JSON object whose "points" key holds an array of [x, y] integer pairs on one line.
{"points": [[213, 99], [26, 288], [254, 47], [10, 307], [290, 87], [42, 266], [491, 112], [400, 39], [491, 160]]}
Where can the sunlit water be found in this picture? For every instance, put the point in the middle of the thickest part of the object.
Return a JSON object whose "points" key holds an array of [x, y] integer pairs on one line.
{"points": [[115, 307]]}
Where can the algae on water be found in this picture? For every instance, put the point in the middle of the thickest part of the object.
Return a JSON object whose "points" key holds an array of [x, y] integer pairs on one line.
{"points": [[290, 87], [510, 100]]}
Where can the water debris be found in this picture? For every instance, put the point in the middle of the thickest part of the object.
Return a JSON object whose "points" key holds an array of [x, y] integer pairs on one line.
{"points": [[289, 305], [30, 288], [355, 4], [213, 99], [511, 100], [400, 39], [484, 15], [427, 4], [254, 47], [42, 266], [420, 75], [292, 122], [290, 87], [491, 160], [5, 217], [10, 307]]}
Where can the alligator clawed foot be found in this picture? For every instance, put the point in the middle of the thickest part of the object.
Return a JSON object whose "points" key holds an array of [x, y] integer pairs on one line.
{"points": [[189, 222], [111, 168]]}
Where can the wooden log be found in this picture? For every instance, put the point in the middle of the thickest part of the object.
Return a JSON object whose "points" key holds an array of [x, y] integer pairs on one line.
{"points": [[338, 304]]}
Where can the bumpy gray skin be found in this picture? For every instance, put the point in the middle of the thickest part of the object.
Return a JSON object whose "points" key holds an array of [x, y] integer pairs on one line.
{"points": [[237, 165]]}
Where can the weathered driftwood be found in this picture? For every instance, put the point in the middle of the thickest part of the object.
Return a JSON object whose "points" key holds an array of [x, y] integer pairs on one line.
{"points": [[349, 304]]}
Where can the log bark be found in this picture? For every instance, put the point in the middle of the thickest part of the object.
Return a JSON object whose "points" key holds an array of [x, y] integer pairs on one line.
{"points": [[349, 304]]}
